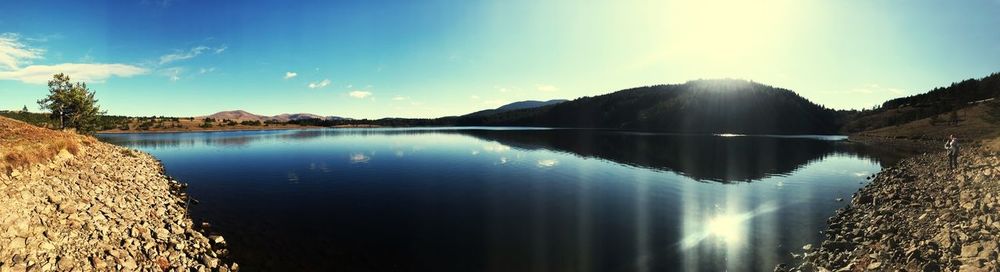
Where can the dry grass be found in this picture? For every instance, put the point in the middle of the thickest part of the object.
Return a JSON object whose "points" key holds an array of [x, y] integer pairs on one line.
{"points": [[22, 144], [972, 126]]}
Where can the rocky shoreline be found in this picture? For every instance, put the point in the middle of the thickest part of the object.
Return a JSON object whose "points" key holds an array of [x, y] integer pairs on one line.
{"points": [[916, 216], [105, 208]]}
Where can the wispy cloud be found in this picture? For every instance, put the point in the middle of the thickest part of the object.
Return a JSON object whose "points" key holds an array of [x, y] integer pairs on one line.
{"points": [[14, 54], [290, 75], [399, 98], [189, 54], [503, 89], [547, 88], [87, 72], [206, 70], [360, 94], [319, 84], [173, 73]]}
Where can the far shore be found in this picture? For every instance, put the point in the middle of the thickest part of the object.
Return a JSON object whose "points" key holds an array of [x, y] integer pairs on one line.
{"points": [[222, 129], [236, 128]]}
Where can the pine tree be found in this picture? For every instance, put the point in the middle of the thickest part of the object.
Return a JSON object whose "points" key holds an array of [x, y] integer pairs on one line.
{"points": [[73, 105]]}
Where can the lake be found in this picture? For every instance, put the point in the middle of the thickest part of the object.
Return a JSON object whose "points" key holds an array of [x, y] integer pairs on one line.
{"points": [[510, 199]]}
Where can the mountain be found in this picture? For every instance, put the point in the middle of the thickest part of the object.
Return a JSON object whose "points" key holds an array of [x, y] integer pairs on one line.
{"points": [[529, 104], [237, 115], [240, 115], [520, 105], [700, 106]]}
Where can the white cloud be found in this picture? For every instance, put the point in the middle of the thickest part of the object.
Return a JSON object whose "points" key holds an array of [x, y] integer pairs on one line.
{"points": [[547, 88], [474, 97], [193, 52], [13, 53], [360, 94], [206, 70], [173, 73], [399, 98], [86, 72], [319, 84], [290, 75], [502, 89]]}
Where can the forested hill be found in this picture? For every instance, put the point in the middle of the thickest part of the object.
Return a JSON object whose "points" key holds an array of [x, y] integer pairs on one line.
{"points": [[935, 102], [701, 106]]}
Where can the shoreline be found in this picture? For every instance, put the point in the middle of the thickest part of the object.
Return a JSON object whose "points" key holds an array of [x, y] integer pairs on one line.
{"points": [[916, 216], [97, 206], [202, 130]]}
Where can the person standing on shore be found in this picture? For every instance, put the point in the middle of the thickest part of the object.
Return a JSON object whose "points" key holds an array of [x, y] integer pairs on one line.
{"points": [[952, 147]]}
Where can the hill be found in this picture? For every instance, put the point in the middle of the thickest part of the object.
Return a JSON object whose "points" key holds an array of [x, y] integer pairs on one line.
{"points": [[520, 105], [237, 115], [936, 102], [241, 115], [700, 106]]}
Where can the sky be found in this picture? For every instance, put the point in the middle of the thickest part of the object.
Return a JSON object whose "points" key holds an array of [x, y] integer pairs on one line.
{"points": [[373, 59]]}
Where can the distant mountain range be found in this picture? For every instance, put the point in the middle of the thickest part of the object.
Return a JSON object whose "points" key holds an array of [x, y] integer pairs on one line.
{"points": [[527, 104], [240, 115]]}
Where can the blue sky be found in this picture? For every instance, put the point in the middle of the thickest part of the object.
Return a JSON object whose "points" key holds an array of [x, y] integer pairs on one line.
{"points": [[371, 59]]}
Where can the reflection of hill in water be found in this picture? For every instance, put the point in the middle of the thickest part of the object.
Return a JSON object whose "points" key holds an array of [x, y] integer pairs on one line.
{"points": [[724, 159], [715, 158]]}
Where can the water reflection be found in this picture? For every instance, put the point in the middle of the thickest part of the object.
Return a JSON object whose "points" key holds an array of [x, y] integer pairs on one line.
{"points": [[722, 158], [509, 200]]}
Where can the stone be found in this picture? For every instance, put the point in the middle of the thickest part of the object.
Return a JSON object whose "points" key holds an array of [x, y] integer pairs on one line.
{"points": [[971, 250], [65, 264], [209, 261]]}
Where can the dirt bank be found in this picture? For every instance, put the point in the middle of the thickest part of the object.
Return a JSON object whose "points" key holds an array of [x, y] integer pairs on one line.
{"points": [[95, 208]]}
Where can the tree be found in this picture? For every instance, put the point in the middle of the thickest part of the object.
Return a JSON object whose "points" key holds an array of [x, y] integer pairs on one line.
{"points": [[24, 109], [72, 104]]}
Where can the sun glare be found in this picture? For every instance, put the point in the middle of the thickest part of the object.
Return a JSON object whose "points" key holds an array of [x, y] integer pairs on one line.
{"points": [[725, 227]]}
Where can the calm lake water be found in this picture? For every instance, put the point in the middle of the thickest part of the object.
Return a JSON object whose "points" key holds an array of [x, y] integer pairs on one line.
{"points": [[509, 199]]}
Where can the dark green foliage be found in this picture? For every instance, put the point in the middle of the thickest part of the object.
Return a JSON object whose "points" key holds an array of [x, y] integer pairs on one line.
{"points": [[38, 119], [935, 102], [71, 105], [250, 123]]}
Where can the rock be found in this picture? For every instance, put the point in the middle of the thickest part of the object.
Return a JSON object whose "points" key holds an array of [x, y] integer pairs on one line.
{"points": [[874, 265], [218, 240], [209, 261], [66, 264], [807, 247], [971, 250], [162, 234]]}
